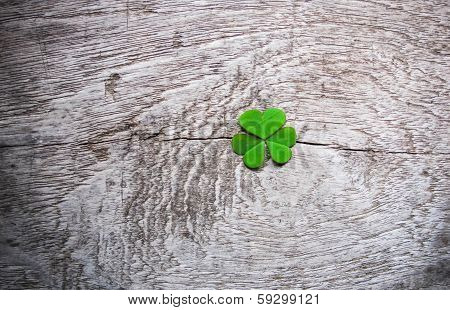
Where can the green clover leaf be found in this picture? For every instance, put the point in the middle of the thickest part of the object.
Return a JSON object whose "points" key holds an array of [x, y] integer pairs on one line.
{"points": [[265, 129], [262, 125]]}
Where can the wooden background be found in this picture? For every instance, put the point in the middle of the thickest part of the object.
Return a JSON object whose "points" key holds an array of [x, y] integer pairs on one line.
{"points": [[115, 157]]}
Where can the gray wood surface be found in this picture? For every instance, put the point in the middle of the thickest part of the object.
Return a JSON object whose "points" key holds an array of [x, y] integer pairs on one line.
{"points": [[115, 157]]}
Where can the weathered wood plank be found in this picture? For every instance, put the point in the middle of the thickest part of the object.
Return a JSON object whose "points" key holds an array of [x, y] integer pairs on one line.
{"points": [[372, 78], [177, 214], [116, 168]]}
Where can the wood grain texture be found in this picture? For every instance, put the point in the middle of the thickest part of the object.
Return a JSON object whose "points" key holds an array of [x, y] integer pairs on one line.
{"points": [[115, 157]]}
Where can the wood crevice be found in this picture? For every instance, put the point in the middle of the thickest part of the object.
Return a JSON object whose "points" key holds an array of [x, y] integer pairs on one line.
{"points": [[328, 145], [368, 150]]}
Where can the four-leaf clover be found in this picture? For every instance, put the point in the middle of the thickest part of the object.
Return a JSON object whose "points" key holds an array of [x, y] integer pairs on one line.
{"points": [[265, 129]]}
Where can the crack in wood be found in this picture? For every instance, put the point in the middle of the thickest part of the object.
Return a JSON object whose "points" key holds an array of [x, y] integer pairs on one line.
{"points": [[328, 145]]}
